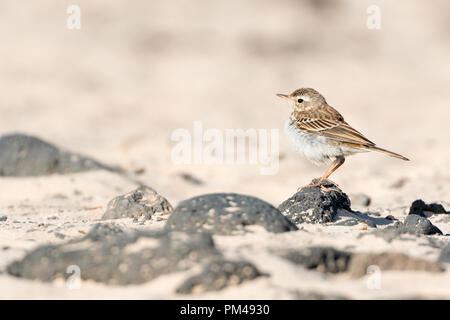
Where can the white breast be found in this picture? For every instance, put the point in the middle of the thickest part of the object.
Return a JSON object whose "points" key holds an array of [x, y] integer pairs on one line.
{"points": [[314, 147]]}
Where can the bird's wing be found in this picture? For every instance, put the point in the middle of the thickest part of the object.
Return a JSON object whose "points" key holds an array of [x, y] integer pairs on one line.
{"points": [[331, 126]]}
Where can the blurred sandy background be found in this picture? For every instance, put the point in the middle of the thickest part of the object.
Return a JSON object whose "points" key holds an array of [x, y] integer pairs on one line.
{"points": [[137, 70]]}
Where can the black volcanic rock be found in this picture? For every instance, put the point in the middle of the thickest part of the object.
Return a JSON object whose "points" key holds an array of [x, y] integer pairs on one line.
{"points": [[420, 208], [218, 275], [419, 225], [22, 155], [324, 259], [110, 255], [314, 205], [413, 224], [144, 202], [445, 254], [227, 213], [331, 260]]}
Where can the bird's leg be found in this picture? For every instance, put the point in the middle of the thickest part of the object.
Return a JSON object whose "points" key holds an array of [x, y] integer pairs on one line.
{"points": [[332, 168]]}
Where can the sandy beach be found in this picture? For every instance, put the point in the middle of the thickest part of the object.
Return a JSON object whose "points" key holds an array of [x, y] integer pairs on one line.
{"points": [[118, 88]]}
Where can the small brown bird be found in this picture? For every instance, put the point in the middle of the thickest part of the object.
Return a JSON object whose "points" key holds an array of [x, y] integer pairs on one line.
{"points": [[319, 132]]}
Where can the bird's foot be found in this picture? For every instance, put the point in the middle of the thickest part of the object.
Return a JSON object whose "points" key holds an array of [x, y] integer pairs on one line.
{"points": [[313, 185], [320, 185]]}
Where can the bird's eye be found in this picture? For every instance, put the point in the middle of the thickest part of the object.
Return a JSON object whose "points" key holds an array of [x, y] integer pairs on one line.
{"points": [[300, 100]]}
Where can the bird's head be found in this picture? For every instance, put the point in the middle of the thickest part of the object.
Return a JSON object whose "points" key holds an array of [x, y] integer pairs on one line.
{"points": [[303, 99]]}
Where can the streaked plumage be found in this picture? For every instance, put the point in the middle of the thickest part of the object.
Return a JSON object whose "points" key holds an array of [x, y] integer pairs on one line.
{"points": [[320, 132]]}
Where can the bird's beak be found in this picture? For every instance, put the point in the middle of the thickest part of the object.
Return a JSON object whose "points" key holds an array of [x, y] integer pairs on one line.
{"points": [[284, 96]]}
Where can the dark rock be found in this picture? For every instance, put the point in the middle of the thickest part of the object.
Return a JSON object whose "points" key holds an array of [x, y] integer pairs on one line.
{"points": [[108, 254], [445, 254], [419, 225], [391, 217], [324, 259], [102, 232], [3, 218], [388, 233], [422, 209], [144, 202], [389, 261], [218, 275], [226, 213], [313, 205], [24, 155], [413, 224], [360, 199], [436, 208]]}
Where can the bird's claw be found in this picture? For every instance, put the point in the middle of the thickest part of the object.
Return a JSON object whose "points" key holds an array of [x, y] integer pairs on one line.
{"points": [[320, 185]]}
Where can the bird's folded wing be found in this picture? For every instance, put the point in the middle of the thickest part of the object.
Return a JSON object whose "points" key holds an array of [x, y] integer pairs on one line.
{"points": [[337, 130]]}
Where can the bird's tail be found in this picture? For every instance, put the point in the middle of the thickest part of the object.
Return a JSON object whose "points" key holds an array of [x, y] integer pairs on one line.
{"points": [[392, 154]]}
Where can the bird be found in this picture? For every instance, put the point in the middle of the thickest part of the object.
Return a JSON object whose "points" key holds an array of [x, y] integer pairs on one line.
{"points": [[320, 133]]}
